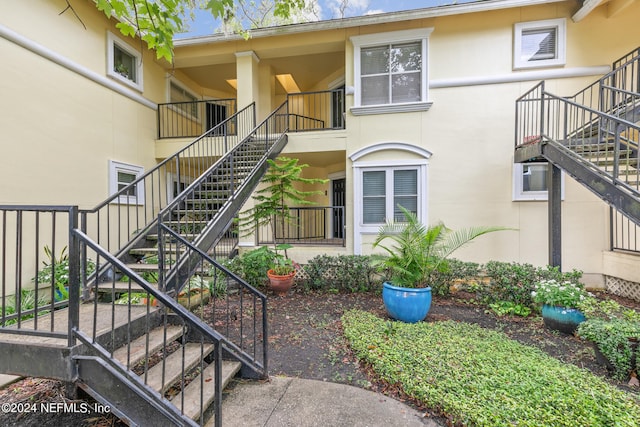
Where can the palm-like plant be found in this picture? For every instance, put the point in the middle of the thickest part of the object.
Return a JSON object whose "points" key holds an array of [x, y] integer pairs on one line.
{"points": [[419, 250]]}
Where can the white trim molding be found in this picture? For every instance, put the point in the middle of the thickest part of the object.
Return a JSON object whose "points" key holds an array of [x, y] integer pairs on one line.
{"points": [[64, 62], [542, 34], [132, 78], [420, 35], [359, 166]]}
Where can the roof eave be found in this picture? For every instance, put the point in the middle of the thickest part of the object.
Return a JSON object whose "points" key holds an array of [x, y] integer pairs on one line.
{"points": [[332, 24]]}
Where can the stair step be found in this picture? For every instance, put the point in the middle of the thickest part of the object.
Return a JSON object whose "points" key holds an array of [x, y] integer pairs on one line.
{"points": [[191, 395], [138, 347], [187, 236], [121, 287], [621, 162], [143, 267], [152, 251], [173, 366]]}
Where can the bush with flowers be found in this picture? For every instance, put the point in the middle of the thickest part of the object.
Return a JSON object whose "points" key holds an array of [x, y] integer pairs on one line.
{"points": [[561, 294]]}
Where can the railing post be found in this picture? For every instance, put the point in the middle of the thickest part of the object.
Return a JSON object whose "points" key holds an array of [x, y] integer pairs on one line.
{"points": [[74, 276], [542, 109]]}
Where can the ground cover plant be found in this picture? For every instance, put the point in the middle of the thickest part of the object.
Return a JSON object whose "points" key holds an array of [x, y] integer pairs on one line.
{"points": [[477, 376]]}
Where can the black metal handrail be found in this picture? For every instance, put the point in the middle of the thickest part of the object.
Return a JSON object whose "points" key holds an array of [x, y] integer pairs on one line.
{"points": [[25, 231], [113, 222], [318, 110], [253, 352], [224, 313], [309, 225], [193, 118], [598, 125], [222, 190], [624, 233]]}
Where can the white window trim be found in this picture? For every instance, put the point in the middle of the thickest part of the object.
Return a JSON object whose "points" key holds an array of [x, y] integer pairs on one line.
{"points": [[113, 40], [186, 89], [561, 40], [360, 167], [421, 34], [115, 167], [531, 196]]}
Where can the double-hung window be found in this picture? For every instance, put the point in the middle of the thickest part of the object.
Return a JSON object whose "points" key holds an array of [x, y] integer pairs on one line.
{"points": [[390, 72], [124, 63], [384, 190]]}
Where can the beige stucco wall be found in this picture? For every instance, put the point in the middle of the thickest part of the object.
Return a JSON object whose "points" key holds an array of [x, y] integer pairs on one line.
{"points": [[60, 128], [469, 131], [64, 126]]}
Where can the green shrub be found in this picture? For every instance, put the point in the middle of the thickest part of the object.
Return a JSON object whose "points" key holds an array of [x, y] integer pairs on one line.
{"points": [[341, 273], [453, 270], [610, 326], [479, 377], [514, 282], [252, 266]]}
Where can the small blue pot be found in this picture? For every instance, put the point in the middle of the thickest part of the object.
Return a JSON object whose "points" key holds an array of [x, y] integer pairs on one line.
{"points": [[561, 318], [408, 305]]}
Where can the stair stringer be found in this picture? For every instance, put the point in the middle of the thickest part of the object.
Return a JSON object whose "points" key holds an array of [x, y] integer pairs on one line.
{"points": [[129, 399], [214, 230]]}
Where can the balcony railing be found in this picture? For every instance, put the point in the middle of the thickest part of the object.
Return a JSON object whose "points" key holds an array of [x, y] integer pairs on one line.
{"points": [[308, 111], [192, 119], [316, 110], [316, 225]]}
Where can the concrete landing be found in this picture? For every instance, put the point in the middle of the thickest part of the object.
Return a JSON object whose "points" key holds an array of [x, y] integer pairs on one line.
{"points": [[285, 401]]}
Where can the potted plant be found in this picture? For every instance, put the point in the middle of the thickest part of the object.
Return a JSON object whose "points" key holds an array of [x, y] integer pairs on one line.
{"points": [[418, 254], [615, 333], [282, 273], [271, 209], [560, 302]]}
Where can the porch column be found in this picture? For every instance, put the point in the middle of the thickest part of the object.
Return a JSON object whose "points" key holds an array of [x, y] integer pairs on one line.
{"points": [[248, 78], [555, 215]]}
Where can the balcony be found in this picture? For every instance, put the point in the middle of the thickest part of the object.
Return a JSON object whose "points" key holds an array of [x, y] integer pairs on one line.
{"points": [[307, 111], [315, 225]]}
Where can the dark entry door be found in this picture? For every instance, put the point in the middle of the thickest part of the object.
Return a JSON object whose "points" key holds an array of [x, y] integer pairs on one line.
{"points": [[216, 114], [338, 201]]}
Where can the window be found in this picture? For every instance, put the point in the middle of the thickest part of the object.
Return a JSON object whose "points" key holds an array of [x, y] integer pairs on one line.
{"points": [[186, 101], [391, 72], [530, 181], [539, 44], [383, 190], [124, 63], [120, 176]]}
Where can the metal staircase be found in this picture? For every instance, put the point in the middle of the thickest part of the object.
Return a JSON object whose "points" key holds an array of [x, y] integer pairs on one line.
{"points": [[151, 360], [593, 136]]}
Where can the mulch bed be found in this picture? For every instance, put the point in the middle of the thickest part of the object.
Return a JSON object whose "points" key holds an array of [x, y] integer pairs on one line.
{"points": [[305, 339]]}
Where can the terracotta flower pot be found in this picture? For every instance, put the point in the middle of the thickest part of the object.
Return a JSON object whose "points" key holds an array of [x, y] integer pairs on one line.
{"points": [[281, 284]]}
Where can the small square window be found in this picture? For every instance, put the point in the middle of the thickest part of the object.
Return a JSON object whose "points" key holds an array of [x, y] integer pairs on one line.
{"points": [[124, 63], [539, 44], [121, 175]]}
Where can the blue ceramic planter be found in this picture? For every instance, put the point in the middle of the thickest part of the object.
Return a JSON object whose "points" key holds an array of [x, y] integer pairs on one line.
{"points": [[406, 304], [562, 319]]}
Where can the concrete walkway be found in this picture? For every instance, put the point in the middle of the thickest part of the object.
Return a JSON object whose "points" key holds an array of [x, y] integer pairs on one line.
{"points": [[285, 401]]}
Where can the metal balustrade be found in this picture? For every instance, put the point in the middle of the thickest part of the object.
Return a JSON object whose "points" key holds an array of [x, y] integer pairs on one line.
{"points": [[192, 119], [594, 136], [310, 225]]}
